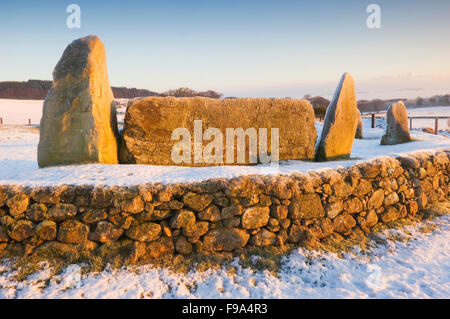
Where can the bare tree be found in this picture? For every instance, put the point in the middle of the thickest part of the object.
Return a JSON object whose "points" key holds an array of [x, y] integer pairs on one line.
{"points": [[419, 101], [187, 92]]}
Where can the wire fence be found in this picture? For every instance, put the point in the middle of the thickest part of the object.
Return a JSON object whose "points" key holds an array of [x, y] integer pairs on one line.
{"points": [[374, 116]]}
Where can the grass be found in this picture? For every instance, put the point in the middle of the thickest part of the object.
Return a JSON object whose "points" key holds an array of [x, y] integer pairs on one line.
{"points": [[339, 245], [258, 259], [425, 229], [264, 259], [26, 267], [438, 209]]}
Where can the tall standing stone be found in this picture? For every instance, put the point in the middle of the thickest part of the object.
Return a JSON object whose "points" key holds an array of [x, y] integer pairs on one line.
{"points": [[359, 128], [79, 122], [341, 121], [397, 129]]}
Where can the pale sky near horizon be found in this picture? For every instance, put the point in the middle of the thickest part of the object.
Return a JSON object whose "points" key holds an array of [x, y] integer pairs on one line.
{"points": [[241, 48]]}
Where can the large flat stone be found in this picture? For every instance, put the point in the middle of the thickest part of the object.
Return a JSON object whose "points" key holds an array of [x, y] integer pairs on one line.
{"points": [[149, 124]]}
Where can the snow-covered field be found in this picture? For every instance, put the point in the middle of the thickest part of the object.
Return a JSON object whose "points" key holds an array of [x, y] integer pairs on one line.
{"points": [[17, 112], [416, 267]]}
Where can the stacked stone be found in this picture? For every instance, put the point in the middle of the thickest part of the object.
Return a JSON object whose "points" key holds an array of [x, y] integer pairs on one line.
{"points": [[221, 215]]}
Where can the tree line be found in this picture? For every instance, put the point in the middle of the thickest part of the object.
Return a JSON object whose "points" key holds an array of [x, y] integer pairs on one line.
{"points": [[320, 103], [38, 89], [378, 105]]}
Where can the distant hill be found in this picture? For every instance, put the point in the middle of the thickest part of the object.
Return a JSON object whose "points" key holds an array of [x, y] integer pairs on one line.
{"points": [[37, 90]]}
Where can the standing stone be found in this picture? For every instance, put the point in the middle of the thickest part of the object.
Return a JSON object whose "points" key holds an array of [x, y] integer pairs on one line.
{"points": [[359, 128], [149, 124], [397, 129], [79, 122], [341, 121]]}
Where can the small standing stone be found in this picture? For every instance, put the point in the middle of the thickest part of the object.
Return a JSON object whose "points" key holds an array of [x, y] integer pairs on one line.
{"points": [[359, 128], [397, 129]]}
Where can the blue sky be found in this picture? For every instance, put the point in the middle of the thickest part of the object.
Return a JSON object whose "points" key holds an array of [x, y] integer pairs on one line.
{"points": [[241, 48]]}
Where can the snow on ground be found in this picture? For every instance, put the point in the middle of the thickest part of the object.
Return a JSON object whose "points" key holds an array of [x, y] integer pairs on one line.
{"points": [[18, 162], [17, 112], [18, 155], [417, 268]]}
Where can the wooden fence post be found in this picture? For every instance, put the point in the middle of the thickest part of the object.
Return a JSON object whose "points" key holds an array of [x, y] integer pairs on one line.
{"points": [[410, 123], [436, 125], [373, 120]]}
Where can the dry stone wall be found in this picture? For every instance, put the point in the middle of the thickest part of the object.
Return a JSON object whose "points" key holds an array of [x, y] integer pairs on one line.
{"points": [[221, 215]]}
